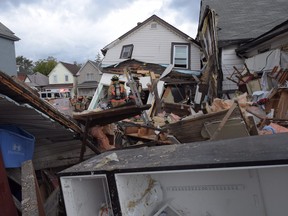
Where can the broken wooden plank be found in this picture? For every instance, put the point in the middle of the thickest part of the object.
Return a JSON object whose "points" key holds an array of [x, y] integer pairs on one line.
{"points": [[52, 203], [32, 204], [7, 206], [14, 174]]}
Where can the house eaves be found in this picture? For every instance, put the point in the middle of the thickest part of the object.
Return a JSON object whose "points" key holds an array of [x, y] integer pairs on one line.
{"points": [[73, 68], [276, 31], [22, 95], [139, 25], [88, 84], [7, 33]]}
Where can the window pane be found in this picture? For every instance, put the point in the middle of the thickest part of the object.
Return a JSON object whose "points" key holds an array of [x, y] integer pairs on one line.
{"points": [[180, 52], [180, 61], [126, 51], [181, 56]]}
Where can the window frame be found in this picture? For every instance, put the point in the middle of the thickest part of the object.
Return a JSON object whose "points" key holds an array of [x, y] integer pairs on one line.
{"points": [[66, 76], [55, 78], [129, 55], [173, 47]]}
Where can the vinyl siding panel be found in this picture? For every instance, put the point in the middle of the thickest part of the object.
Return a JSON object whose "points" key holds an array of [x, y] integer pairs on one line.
{"points": [[230, 59], [7, 57], [151, 45]]}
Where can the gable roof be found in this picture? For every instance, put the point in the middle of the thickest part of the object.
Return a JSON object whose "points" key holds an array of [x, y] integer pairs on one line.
{"points": [[73, 68], [245, 19], [139, 25], [94, 64], [38, 79], [7, 33]]}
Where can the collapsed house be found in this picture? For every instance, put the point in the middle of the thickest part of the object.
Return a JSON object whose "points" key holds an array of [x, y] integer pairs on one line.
{"points": [[236, 171]]}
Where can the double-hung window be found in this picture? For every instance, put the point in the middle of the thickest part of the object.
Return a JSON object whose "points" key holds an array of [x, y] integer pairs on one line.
{"points": [[66, 78], [126, 52], [180, 55], [55, 80], [89, 76]]}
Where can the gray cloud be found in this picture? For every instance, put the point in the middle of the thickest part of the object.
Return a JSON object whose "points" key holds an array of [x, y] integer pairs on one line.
{"points": [[187, 9], [72, 30]]}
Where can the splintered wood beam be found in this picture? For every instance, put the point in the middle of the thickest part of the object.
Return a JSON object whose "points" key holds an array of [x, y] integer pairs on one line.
{"points": [[7, 206], [32, 204]]}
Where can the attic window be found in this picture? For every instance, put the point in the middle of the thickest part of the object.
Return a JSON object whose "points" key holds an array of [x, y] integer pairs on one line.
{"points": [[153, 26], [126, 52]]}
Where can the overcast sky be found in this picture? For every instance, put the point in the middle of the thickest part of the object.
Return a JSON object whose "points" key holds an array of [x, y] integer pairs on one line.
{"points": [[76, 30]]}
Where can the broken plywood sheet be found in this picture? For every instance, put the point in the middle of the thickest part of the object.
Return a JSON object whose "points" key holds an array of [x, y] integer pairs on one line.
{"points": [[233, 128], [108, 116], [189, 130]]}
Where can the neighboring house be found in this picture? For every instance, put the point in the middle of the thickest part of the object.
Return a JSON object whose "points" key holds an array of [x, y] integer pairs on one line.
{"points": [[238, 22], [37, 80], [152, 46], [63, 76], [154, 41], [7, 51], [88, 78]]}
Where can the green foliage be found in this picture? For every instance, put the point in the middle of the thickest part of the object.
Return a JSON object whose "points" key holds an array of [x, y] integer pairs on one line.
{"points": [[45, 66], [25, 65]]}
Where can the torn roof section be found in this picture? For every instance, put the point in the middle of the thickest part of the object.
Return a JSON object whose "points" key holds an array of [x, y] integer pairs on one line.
{"points": [[135, 65], [279, 30], [57, 140]]}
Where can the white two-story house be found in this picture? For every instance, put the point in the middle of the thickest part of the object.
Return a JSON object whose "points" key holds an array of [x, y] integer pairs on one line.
{"points": [[63, 77], [151, 44], [154, 41], [88, 78]]}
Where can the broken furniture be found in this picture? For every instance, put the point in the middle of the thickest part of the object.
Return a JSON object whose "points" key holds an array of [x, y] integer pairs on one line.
{"points": [[243, 176], [190, 129]]}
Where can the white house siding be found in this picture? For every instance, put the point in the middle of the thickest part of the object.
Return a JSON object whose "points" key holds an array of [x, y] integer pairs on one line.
{"points": [[230, 59], [88, 68], [60, 71], [151, 45], [7, 57]]}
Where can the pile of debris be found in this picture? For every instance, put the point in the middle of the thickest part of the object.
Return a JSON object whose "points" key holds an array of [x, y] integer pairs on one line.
{"points": [[174, 118]]}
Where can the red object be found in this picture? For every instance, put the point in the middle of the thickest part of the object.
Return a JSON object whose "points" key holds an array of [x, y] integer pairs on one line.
{"points": [[7, 206], [262, 101]]}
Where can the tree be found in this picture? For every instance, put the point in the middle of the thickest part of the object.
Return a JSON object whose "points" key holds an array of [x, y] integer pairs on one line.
{"points": [[25, 64], [78, 64], [98, 59], [45, 66]]}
